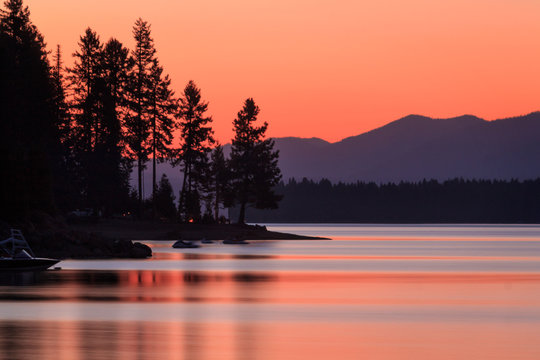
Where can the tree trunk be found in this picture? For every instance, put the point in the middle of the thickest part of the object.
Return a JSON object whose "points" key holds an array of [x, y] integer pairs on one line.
{"points": [[154, 184], [182, 195], [242, 216], [216, 204], [139, 173], [188, 173], [243, 201], [154, 167]]}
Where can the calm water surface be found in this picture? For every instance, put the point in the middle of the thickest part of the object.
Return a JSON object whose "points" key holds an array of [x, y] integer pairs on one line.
{"points": [[374, 292]]}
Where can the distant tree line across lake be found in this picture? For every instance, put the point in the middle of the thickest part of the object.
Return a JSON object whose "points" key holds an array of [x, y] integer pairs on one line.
{"points": [[70, 137], [452, 201]]}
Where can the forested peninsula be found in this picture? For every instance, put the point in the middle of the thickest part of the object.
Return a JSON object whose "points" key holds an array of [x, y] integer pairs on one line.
{"points": [[71, 136]]}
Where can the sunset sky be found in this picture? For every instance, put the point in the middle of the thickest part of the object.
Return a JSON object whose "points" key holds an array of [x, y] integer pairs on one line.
{"points": [[328, 68]]}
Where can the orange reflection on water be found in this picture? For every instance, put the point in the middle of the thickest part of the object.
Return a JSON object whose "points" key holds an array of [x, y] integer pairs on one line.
{"points": [[337, 288], [278, 315], [192, 256], [252, 340], [199, 256], [333, 288]]}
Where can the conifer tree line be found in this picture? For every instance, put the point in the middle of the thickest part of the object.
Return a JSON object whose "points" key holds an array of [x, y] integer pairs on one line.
{"points": [[72, 136], [428, 201]]}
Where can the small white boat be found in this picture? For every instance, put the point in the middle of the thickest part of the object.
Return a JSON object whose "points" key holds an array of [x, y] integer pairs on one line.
{"points": [[18, 256]]}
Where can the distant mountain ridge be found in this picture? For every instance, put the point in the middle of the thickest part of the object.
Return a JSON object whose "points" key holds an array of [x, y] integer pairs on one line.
{"points": [[417, 147], [414, 148]]}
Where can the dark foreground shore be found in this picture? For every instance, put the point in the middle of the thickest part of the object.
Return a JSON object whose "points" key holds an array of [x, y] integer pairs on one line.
{"points": [[53, 237], [149, 230], [117, 238]]}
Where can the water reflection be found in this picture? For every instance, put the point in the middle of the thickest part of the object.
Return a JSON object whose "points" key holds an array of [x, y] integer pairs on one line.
{"points": [[444, 299], [134, 286], [210, 256], [338, 288], [190, 340]]}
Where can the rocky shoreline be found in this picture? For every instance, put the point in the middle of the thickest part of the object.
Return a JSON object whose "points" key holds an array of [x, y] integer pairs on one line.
{"points": [[153, 230], [117, 238]]}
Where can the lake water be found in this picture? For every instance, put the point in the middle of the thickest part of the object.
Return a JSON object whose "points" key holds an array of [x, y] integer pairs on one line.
{"points": [[373, 292]]}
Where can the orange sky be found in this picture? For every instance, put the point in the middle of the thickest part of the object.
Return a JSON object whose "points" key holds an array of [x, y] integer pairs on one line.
{"points": [[328, 68]]}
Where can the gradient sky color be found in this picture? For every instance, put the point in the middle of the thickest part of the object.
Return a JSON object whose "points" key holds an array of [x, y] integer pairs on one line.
{"points": [[328, 68]]}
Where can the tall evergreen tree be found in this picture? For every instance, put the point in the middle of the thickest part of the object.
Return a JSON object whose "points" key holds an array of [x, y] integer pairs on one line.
{"points": [[60, 102], [163, 109], [65, 180], [84, 79], [140, 95], [197, 139], [99, 78], [254, 163], [27, 123], [115, 66], [87, 87]]}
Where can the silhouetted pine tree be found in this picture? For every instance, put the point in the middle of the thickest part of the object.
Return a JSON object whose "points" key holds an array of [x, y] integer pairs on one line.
{"points": [[28, 129], [138, 124], [65, 182], [60, 105], [87, 87], [84, 78], [197, 139], [163, 110], [254, 163], [116, 168], [99, 79]]}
